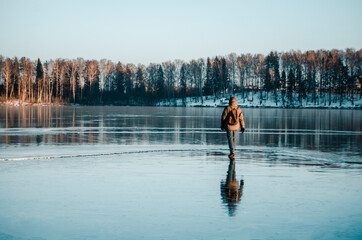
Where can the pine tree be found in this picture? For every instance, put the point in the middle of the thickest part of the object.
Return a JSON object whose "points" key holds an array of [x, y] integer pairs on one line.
{"points": [[160, 84], [216, 77], [119, 83], [16, 77], [283, 81], [290, 87], [209, 86], [301, 87], [225, 78], [128, 82], [140, 85], [183, 83], [268, 80], [39, 80], [268, 64]]}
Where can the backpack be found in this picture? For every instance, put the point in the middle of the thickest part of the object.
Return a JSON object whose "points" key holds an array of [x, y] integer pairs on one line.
{"points": [[232, 118]]}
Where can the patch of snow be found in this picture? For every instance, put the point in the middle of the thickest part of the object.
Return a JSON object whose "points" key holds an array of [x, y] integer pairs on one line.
{"points": [[263, 100]]}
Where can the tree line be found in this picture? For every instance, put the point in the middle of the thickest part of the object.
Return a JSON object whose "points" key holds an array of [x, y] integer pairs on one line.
{"points": [[288, 78]]}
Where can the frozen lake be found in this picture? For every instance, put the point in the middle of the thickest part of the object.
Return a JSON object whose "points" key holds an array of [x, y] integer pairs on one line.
{"points": [[163, 173]]}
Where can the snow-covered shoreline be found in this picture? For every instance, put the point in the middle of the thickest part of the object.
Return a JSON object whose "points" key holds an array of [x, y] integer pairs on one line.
{"points": [[254, 101], [251, 101], [17, 103]]}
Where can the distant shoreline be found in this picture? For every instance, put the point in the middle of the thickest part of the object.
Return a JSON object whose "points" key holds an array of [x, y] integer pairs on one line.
{"points": [[163, 104]]}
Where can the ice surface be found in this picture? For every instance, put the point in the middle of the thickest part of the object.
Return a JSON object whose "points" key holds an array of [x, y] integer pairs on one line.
{"points": [[163, 173], [163, 195]]}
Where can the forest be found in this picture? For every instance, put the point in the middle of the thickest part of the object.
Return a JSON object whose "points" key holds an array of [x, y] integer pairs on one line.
{"points": [[318, 77]]}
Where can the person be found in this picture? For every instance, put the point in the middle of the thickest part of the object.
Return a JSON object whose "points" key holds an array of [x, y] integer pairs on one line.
{"points": [[232, 120]]}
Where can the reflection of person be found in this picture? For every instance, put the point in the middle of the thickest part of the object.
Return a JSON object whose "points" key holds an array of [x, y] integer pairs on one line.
{"points": [[231, 121], [231, 191]]}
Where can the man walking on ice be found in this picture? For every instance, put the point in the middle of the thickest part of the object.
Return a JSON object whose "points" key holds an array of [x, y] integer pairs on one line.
{"points": [[231, 121]]}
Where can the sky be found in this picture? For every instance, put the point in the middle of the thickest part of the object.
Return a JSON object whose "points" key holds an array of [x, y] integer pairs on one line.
{"points": [[145, 31]]}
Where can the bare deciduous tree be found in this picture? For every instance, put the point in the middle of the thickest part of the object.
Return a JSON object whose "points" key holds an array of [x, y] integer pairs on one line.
{"points": [[7, 71]]}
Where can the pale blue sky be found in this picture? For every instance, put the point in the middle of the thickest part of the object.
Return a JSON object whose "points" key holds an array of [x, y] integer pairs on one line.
{"points": [[139, 31]]}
